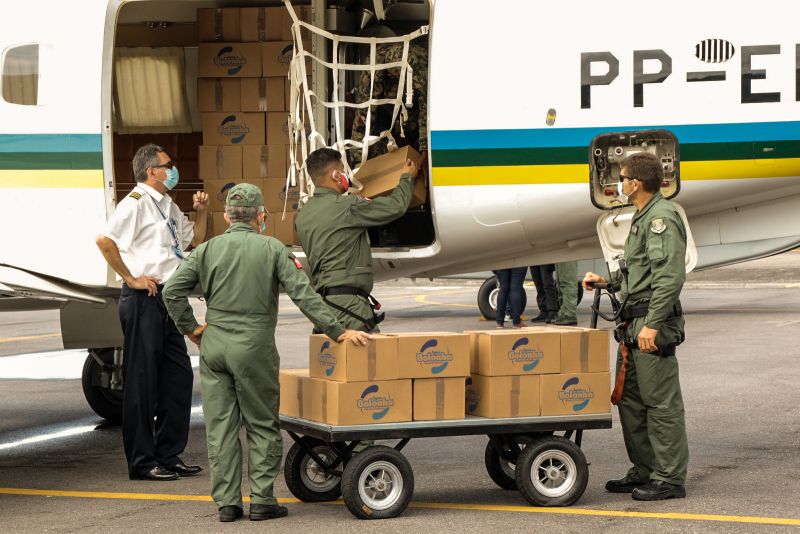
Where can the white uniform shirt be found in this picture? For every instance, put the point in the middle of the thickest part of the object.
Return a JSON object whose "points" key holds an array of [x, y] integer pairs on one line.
{"points": [[149, 231]]}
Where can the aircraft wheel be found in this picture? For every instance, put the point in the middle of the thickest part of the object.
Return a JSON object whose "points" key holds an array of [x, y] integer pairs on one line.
{"points": [[487, 298], [96, 380]]}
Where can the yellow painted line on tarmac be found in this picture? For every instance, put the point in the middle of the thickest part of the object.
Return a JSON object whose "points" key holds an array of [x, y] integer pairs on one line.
{"points": [[429, 505], [28, 338]]}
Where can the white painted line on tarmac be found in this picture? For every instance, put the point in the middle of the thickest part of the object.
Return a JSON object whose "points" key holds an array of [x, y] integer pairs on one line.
{"points": [[47, 437]]}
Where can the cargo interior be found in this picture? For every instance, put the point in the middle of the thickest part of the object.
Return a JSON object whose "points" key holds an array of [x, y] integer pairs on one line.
{"points": [[159, 95]]}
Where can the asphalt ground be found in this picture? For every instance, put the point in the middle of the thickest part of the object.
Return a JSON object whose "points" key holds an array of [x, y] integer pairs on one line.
{"points": [[63, 470]]}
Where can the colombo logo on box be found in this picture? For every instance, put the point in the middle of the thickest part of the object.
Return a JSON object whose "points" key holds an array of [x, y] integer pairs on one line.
{"points": [[229, 128], [326, 359], [370, 401], [232, 62], [428, 356], [571, 393], [529, 356]]}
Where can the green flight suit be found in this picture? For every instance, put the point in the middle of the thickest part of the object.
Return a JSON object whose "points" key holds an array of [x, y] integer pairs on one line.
{"points": [[567, 273], [239, 273], [332, 229], [651, 409]]}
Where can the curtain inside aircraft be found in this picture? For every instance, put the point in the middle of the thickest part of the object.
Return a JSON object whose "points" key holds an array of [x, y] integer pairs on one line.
{"points": [[149, 91], [21, 75]]}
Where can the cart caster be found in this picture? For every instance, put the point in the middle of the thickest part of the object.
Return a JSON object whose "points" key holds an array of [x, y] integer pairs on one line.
{"points": [[377, 483], [305, 478], [552, 471], [500, 471]]}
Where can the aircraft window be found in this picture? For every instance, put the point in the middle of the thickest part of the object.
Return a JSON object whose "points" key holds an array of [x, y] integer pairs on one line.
{"points": [[21, 75], [149, 91]]}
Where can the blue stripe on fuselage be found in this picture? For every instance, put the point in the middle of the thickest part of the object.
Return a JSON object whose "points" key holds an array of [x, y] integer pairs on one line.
{"points": [[50, 143]]}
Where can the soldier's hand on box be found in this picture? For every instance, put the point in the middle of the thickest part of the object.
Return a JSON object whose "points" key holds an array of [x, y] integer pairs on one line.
{"points": [[647, 339], [200, 201], [197, 334], [411, 167], [357, 337]]}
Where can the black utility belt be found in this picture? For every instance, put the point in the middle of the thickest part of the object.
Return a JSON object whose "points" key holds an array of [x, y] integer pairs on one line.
{"points": [[369, 322], [641, 310], [343, 290]]}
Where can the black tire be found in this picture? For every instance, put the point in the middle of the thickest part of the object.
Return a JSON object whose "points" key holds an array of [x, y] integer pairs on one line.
{"points": [[562, 472], [105, 402], [500, 471], [485, 299], [305, 479], [382, 465]]}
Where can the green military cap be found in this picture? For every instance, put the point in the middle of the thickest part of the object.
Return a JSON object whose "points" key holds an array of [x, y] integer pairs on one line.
{"points": [[245, 196]]}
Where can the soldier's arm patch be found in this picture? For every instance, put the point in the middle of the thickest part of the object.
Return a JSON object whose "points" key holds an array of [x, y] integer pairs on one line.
{"points": [[296, 261], [657, 226], [135, 195]]}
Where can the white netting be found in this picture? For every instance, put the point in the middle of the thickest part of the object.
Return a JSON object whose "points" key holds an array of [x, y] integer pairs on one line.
{"points": [[303, 133]]}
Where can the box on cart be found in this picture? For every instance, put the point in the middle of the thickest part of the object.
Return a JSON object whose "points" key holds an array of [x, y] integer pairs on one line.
{"points": [[576, 393], [502, 396], [519, 352], [345, 362], [432, 354], [439, 398], [360, 403]]}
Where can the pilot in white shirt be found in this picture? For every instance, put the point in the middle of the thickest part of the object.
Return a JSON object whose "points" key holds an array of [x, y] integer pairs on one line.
{"points": [[145, 240]]}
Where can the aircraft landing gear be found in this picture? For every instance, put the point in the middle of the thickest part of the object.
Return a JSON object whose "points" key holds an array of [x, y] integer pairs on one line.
{"points": [[487, 298], [102, 382]]}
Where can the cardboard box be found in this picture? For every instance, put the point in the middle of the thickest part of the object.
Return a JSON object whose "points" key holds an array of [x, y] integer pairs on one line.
{"points": [[576, 393], [233, 128], [380, 175], [473, 348], [219, 94], [263, 94], [277, 55], [283, 228], [584, 350], [265, 162], [360, 403], [217, 193], [219, 24], [520, 352], [229, 60], [218, 223], [439, 398], [220, 163], [294, 391], [276, 193], [502, 396], [270, 23], [345, 362], [278, 128], [432, 354]]}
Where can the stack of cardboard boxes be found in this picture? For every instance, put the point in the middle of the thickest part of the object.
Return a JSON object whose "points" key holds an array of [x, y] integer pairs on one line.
{"points": [[243, 57], [538, 371], [397, 378]]}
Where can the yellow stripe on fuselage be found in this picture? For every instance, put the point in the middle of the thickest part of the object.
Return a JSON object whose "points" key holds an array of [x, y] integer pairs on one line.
{"points": [[51, 179], [575, 174]]}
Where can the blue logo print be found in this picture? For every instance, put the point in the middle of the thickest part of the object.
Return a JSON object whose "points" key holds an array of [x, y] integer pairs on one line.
{"points": [[371, 402], [530, 355], [232, 62], [237, 132], [579, 397], [326, 359], [442, 358]]}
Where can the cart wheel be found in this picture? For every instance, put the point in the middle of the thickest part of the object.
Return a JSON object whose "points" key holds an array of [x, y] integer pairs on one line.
{"points": [[305, 478], [502, 472], [552, 471], [377, 483]]}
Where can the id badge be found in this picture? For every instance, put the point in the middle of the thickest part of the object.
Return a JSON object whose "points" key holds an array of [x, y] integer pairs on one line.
{"points": [[178, 252]]}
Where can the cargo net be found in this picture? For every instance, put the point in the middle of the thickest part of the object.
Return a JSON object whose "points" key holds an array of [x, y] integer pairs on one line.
{"points": [[303, 134]]}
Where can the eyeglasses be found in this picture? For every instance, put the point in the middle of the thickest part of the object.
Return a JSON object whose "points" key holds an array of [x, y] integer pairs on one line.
{"points": [[623, 178], [168, 165]]}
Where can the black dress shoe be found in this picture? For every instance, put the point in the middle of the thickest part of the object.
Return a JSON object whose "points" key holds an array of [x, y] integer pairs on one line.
{"points": [[156, 473], [658, 490], [551, 316], [186, 470], [624, 485], [260, 512], [562, 321], [230, 513], [542, 317]]}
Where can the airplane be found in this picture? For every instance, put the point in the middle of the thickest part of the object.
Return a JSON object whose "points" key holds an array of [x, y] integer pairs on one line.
{"points": [[530, 107]]}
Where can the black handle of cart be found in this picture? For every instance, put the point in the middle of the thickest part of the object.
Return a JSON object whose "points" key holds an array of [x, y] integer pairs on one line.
{"points": [[523, 453]]}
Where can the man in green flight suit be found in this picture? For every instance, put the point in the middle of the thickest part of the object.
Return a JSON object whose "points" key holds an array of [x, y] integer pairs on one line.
{"points": [[239, 273], [651, 405], [332, 228]]}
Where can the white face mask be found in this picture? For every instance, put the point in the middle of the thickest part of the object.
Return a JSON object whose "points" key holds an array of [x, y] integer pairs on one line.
{"points": [[622, 196]]}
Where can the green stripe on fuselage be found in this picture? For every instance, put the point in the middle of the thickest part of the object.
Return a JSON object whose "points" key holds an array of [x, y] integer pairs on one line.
{"points": [[50, 160]]}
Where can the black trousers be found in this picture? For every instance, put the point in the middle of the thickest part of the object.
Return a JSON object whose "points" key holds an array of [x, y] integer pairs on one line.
{"points": [[157, 375], [546, 295]]}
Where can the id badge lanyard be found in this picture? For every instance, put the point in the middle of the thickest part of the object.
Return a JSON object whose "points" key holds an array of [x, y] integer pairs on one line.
{"points": [[173, 230]]}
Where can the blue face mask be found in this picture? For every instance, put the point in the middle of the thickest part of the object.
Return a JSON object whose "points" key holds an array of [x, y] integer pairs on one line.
{"points": [[172, 178]]}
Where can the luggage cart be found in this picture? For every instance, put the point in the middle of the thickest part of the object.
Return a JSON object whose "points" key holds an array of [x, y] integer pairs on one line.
{"points": [[522, 453]]}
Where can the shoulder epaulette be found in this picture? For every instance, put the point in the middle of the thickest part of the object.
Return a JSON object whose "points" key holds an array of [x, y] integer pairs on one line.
{"points": [[135, 195]]}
